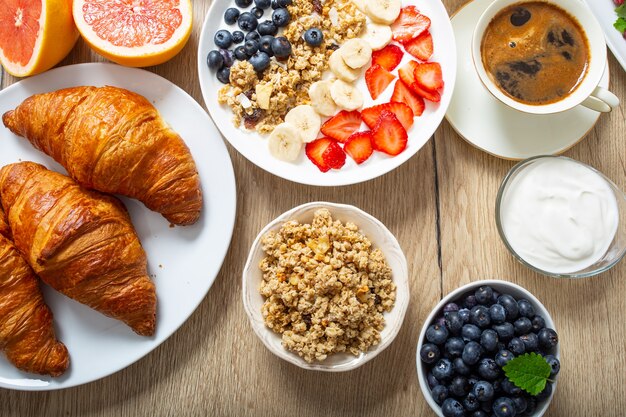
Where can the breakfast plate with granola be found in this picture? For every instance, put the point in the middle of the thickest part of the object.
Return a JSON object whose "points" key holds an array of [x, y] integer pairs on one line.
{"points": [[327, 92]]}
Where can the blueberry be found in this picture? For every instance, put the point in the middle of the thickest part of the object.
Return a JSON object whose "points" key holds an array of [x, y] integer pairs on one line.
{"points": [[479, 413], [488, 369], [471, 353], [454, 347], [247, 22], [439, 393], [470, 403], [231, 15], [505, 331], [257, 12], [470, 332], [483, 391], [453, 322], [224, 75], [510, 305], [470, 301], [429, 353], [265, 45], [243, 3], [441, 320], [520, 405], [464, 314], [452, 408], [238, 36], [251, 47], [461, 367], [240, 53], [450, 307], [267, 27], [435, 333], [548, 339], [315, 37], [543, 395], [525, 308], [281, 17], [260, 61], [531, 342], [275, 4], [516, 346], [531, 406], [253, 36], [497, 314], [228, 57], [503, 357], [497, 387], [479, 316], [215, 60], [538, 323], [522, 325], [459, 386], [489, 340], [263, 4], [472, 380], [510, 388], [432, 381], [223, 39], [504, 407], [283, 3], [554, 364], [443, 370], [483, 295], [494, 297]]}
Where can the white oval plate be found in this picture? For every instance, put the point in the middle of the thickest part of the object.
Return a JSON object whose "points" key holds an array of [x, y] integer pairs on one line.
{"points": [[254, 146], [182, 261]]}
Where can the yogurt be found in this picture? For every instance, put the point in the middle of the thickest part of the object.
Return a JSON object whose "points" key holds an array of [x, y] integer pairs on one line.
{"points": [[558, 215]]}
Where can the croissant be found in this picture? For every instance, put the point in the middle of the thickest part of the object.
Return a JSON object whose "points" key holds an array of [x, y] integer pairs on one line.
{"points": [[26, 331], [113, 140], [79, 242]]}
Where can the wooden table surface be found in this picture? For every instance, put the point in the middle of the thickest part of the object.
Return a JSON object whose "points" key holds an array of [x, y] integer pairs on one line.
{"points": [[440, 206]]}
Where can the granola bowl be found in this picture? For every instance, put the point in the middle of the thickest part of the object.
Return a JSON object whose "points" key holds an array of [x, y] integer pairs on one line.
{"points": [[382, 242]]}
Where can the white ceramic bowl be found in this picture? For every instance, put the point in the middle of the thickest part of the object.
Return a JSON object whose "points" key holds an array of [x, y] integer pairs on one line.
{"points": [[380, 237], [503, 287]]}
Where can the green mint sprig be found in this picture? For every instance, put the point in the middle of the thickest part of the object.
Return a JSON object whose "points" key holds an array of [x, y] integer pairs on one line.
{"points": [[529, 372]]}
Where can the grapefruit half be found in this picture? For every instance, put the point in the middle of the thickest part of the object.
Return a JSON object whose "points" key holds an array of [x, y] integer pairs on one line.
{"points": [[135, 33], [35, 35]]}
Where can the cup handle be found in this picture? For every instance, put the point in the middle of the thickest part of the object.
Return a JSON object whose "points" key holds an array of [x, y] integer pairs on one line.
{"points": [[601, 100]]}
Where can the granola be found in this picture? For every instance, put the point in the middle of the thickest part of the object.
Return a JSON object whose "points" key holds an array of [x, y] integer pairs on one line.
{"points": [[326, 287]]}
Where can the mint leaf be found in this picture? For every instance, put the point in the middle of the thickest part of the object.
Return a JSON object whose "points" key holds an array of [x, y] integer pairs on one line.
{"points": [[529, 372], [620, 24], [621, 11]]}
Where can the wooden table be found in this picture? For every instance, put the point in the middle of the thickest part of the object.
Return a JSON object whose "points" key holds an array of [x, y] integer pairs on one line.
{"points": [[440, 205]]}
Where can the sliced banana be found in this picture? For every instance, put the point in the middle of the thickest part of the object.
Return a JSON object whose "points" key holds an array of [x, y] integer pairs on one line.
{"points": [[321, 100], [346, 96], [360, 4], [306, 120], [383, 11], [285, 143], [340, 69], [356, 53], [378, 36]]}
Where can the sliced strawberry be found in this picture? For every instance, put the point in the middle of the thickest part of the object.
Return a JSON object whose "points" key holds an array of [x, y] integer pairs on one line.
{"points": [[315, 152], [334, 157], [427, 94], [409, 24], [342, 125], [359, 146], [407, 72], [377, 79], [400, 110], [428, 76], [421, 47], [389, 136], [403, 94], [389, 57]]}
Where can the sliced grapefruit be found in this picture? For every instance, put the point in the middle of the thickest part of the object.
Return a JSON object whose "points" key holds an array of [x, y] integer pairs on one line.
{"points": [[135, 33], [35, 35]]}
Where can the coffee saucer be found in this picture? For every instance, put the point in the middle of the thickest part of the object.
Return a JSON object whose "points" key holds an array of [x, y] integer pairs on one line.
{"points": [[491, 126]]}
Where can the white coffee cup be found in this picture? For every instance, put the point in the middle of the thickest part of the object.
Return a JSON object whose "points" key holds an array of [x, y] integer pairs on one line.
{"points": [[588, 93]]}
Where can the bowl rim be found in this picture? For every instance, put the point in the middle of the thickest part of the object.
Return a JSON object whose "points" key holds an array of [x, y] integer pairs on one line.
{"points": [[457, 293], [401, 282], [505, 181]]}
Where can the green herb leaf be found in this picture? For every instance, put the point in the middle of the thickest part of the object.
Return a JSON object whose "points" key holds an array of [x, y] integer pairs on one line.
{"points": [[621, 11], [529, 372], [620, 24]]}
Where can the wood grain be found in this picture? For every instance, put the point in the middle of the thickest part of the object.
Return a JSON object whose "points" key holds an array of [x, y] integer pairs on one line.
{"points": [[440, 206]]}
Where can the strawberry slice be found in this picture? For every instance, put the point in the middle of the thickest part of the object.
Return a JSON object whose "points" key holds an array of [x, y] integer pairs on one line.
{"points": [[403, 94], [377, 79], [428, 76], [407, 75], [359, 146], [409, 24], [315, 152], [421, 47], [402, 112], [334, 157], [389, 136], [342, 125], [433, 96], [389, 57]]}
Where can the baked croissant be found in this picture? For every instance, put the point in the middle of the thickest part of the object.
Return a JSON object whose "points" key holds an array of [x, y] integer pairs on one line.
{"points": [[26, 331], [79, 242], [113, 140]]}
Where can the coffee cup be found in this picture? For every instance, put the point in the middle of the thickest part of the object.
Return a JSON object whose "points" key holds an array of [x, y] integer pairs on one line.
{"points": [[587, 91]]}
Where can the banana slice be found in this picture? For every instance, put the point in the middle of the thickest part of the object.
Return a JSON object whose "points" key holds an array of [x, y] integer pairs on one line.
{"points": [[383, 11], [356, 53], [360, 4], [306, 120], [321, 100], [340, 69], [285, 143], [378, 36], [346, 96]]}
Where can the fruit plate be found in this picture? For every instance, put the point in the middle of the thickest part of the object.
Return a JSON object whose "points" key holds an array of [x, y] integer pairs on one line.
{"points": [[182, 261], [254, 147], [604, 11]]}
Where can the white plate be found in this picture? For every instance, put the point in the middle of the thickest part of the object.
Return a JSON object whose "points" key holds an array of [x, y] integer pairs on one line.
{"points": [[495, 128], [254, 146], [182, 261], [604, 11]]}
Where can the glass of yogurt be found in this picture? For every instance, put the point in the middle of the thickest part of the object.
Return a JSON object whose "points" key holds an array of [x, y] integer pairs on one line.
{"points": [[561, 218]]}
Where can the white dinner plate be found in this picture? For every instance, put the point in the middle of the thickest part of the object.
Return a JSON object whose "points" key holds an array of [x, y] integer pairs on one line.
{"points": [[182, 261], [254, 146], [488, 124], [604, 11]]}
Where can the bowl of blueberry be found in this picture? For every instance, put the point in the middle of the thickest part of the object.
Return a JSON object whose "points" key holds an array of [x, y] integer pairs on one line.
{"points": [[488, 348]]}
